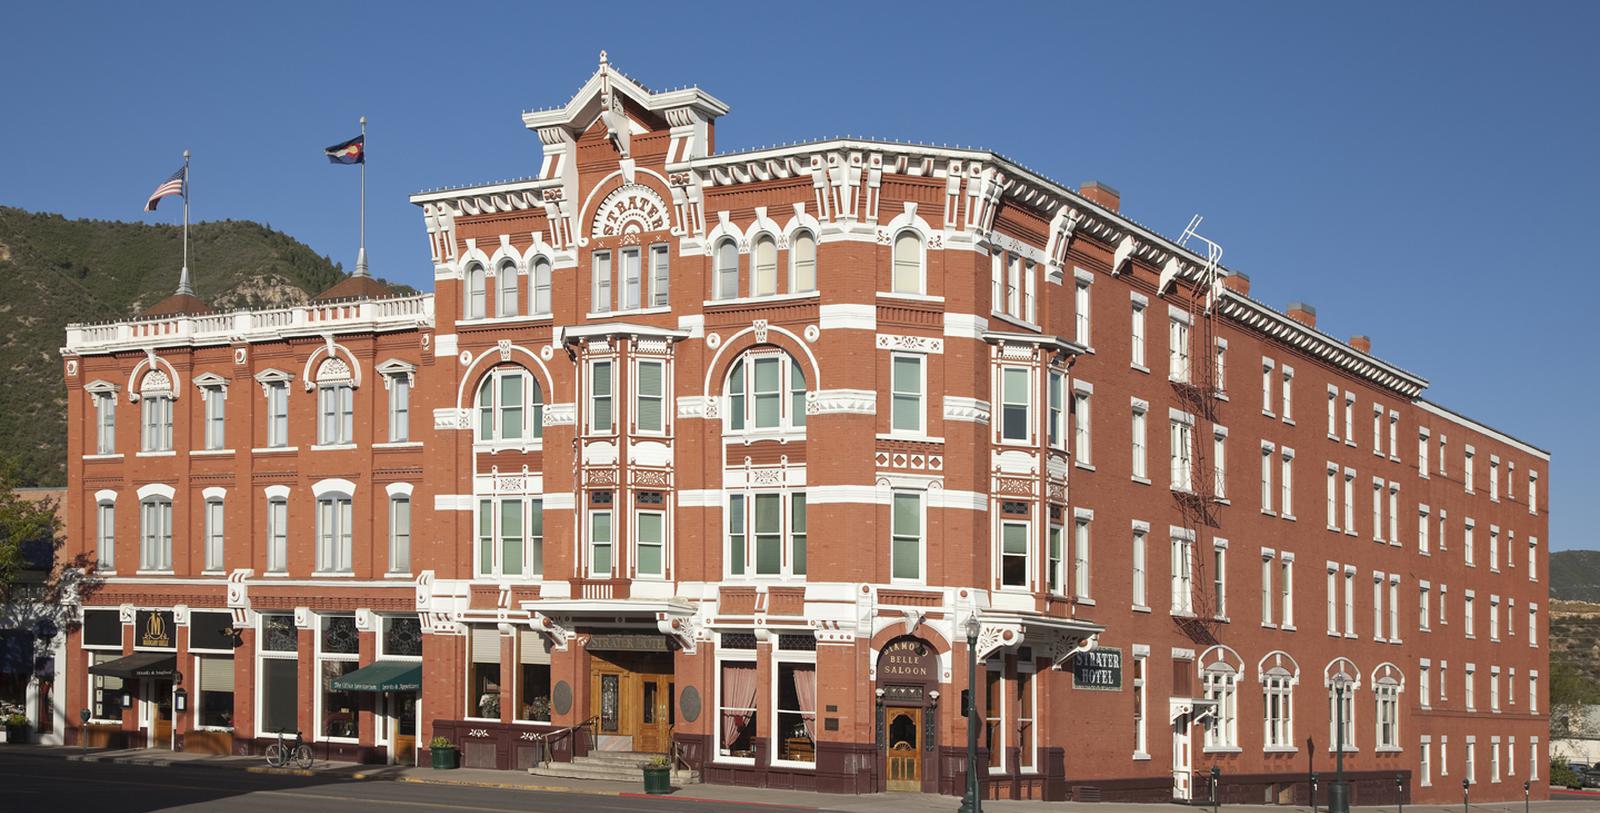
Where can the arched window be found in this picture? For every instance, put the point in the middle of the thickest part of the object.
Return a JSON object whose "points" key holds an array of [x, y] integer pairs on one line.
{"points": [[727, 270], [506, 297], [803, 262], [156, 395], [335, 403], [1387, 682], [1278, 674], [510, 406], [541, 285], [472, 305], [1222, 687], [766, 390], [1342, 680], [764, 271], [907, 263]]}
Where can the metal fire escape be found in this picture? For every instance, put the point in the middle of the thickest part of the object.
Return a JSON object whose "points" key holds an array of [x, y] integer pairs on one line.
{"points": [[1197, 396]]}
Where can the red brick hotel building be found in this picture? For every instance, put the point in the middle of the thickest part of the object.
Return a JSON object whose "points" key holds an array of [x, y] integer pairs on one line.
{"points": [[720, 454]]}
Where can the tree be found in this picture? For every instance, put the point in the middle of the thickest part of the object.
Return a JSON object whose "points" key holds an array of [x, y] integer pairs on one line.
{"points": [[1572, 693]]}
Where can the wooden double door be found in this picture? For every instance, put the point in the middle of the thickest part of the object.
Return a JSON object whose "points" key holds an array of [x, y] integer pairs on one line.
{"points": [[630, 699]]}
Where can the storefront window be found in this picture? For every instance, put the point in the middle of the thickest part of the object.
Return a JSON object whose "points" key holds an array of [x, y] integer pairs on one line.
{"points": [[533, 678], [738, 709], [797, 712], [105, 692], [215, 704], [402, 636], [993, 736], [337, 656], [483, 674], [16, 667], [280, 674]]}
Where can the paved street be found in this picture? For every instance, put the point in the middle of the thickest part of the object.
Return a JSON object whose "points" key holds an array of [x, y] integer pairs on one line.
{"points": [[47, 780]]}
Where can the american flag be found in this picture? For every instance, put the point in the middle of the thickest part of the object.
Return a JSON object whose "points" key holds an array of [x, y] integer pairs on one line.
{"points": [[174, 185]]}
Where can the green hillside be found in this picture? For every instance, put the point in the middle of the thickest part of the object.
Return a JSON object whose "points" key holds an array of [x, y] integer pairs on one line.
{"points": [[57, 271], [1575, 575]]}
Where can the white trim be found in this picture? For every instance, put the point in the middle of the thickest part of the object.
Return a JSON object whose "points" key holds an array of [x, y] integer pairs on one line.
{"points": [[279, 492], [214, 493], [333, 485], [149, 490], [105, 496], [398, 489]]}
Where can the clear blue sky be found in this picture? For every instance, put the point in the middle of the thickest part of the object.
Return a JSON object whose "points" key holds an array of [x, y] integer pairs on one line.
{"points": [[1423, 173]]}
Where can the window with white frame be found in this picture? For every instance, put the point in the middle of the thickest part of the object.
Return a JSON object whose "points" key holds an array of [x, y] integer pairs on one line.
{"points": [[277, 397], [1219, 462], [660, 277], [602, 562], [1080, 554], [906, 536], [1286, 483], [1424, 685], [541, 286], [399, 386], [1333, 496], [1014, 547], [510, 406], [105, 421], [1140, 436], [1494, 478], [485, 683], [338, 654], [475, 303], [650, 544], [802, 262], [334, 546], [1394, 608], [1494, 548], [1221, 381], [1350, 501], [1533, 492], [1394, 513], [1137, 334], [1287, 412], [277, 535], [1349, 418], [1080, 310], [1469, 676], [1342, 704], [600, 283], [1219, 578], [725, 277], [1055, 423], [155, 534], [1333, 410], [1469, 615], [335, 403], [1055, 562], [1494, 618], [1472, 760], [507, 296], [1182, 573], [213, 401], [1394, 436], [1016, 405], [1377, 606], [1468, 549], [1387, 691], [1377, 509], [1467, 468], [1267, 491], [907, 387], [155, 408], [764, 267], [1533, 625], [1533, 691], [1141, 664], [766, 391], [1494, 689], [1422, 453], [794, 712], [1286, 590], [278, 673], [1181, 447], [1277, 688], [1267, 366], [602, 408], [1081, 445], [738, 687], [1424, 611], [1268, 594], [510, 537], [1349, 601], [1425, 764], [400, 533], [1178, 348], [907, 272], [1221, 686], [106, 535], [1377, 429], [630, 265], [650, 396], [1423, 522], [214, 535], [1494, 759], [767, 533], [1141, 533]]}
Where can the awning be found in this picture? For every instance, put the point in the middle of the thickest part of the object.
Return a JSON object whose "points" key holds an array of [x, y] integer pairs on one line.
{"points": [[138, 665], [382, 676]]}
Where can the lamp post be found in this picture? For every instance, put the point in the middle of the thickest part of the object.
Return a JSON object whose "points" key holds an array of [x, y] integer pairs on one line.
{"points": [[970, 801], [1339, 792]]}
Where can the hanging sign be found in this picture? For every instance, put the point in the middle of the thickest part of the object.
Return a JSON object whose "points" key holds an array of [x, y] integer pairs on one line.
{"points": [[1099, 669]]}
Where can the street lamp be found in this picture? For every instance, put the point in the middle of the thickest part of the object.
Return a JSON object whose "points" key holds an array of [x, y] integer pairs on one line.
{"points": [[1339, 792], [970, 801]]}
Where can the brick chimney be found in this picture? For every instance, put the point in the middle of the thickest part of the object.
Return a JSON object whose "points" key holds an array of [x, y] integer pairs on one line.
{"points": [[1303, 313], [1101, 194], [1238, 283], [1362, 344]]}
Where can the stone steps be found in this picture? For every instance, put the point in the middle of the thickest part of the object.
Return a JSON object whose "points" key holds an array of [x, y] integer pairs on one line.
{"points": [[614, 766]]}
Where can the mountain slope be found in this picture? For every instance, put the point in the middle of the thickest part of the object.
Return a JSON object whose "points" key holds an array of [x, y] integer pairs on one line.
{"points": [[57, 271], [1575, 575]]}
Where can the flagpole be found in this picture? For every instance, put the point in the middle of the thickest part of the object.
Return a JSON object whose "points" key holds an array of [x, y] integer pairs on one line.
{"points": [[361, 256], [183, 276]]}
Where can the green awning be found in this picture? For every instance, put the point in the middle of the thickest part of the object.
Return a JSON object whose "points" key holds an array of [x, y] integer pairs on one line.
{"points": [[382, 676]]}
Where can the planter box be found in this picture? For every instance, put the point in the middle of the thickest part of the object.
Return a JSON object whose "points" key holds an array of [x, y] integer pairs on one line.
{"points": [[657, 780], [445, 759], [17, 734]]}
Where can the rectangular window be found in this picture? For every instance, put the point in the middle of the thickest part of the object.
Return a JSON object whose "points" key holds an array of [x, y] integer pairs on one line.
{"points": [[1140, 599], [906, 392], [1056, 425], [1287, 414], [399, 534], [1182, 575], [1015, 404], [650, 545], [1333, 411], [1424, 610], [1080, 428], [1080, 558], [1140, 444], [1219, 579], [506, 298], [1222, 366], [797, 534], [660, 277], [1471, 690], [600, 413], [632, 281], [333, 535], [1468, 549], [1219, 464], [1422, 453], [1178, 350], [1081, 312], [600, 560], [1266, 386], [1349, 418], [484, 684], [737, 543], [1350, 502], [1349, 602], [105, 421], [1055, 563], [280, 694], [1333, 496], [155, 544], [1266, 478], [1286, 591], [600, 290], [335, 405], [796, 711], [1377, 510], [215, 400], [650, 397], [768, 534], [214, 688], [399, 408], [1267, 593], [157, 412], [1425, 772], [277, 414], [1182, 454], [214, 535], [1466, 474], [1140, 667], [277, 536], [906, 541], [106, 537], [1138, 335], [1014, 554], [509, 549], [1286, 484]]}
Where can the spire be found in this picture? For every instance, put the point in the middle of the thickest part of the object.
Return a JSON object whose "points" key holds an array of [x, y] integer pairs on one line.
{"points": [[184, 288]]}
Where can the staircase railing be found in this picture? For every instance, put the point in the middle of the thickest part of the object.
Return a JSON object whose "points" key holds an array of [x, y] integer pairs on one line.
{"points": [[544, 740]]}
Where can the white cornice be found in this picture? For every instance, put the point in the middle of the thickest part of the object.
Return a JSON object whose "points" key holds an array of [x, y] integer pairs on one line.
{"points": [[1313, 342]]}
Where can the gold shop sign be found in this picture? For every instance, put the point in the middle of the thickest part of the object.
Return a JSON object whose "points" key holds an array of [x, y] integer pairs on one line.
{"points": [[154, 629]]}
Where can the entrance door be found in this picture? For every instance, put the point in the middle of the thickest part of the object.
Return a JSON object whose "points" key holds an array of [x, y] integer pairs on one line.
{"points": [[655, 714], [397, 726], [905, 755], [155, 713], [1182, 773]]}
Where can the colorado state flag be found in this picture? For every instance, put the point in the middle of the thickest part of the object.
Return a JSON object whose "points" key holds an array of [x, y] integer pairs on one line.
{"points": [[348, 152]]}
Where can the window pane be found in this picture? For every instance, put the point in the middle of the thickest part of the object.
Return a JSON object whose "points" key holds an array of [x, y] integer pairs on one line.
{"points": [[769, 553], [797, 533], [803, 255], [766, 270], [907, 263], [511, 537], [650, 544], [767, 391]]}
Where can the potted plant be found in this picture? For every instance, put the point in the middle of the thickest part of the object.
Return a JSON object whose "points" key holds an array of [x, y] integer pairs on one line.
{"points": [[16, 728], [445, 756], [658, 775]]}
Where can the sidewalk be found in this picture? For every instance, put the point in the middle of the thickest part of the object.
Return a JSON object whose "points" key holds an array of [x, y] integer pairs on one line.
{"points": [[756, 797]]}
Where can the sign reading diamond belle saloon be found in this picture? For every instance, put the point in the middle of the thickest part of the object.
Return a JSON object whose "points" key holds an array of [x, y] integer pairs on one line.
{"points": [[717, 454]]}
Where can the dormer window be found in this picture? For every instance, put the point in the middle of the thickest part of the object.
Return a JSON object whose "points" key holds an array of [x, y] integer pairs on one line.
{"points": [[335, 403], [766, 390], [156, 396]]}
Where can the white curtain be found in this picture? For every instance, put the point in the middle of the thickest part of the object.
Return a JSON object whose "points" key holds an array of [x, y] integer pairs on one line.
{"points": [[805, 688], [738, 699]]}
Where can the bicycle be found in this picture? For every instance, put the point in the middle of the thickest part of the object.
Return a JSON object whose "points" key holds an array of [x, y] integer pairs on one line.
{"points": [[282, 752]]}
